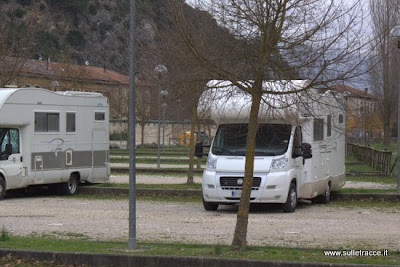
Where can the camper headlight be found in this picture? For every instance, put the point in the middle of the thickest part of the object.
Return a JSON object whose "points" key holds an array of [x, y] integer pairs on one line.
{"points": [[211, 162], [280, 163]]}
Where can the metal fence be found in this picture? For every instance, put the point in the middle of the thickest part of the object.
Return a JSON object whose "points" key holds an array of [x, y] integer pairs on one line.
{"points": [[379, 159]]}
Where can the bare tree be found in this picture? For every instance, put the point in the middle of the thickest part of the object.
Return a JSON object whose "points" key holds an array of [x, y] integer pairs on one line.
{"points": [[269, 40], [384, 61], [75, 75]]}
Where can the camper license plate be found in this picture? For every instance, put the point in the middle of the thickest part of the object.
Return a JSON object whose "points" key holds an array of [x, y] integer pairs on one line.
{"points": [[236, 193]]}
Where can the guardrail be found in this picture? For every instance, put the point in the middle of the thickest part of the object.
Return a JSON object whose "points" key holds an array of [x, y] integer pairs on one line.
{"points": [[381, 160]]}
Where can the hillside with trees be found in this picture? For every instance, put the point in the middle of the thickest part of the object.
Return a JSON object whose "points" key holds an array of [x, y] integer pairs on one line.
{"points": [[94, 32]]}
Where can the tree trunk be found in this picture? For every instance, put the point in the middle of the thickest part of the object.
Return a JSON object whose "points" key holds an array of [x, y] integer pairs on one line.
{"points": [[198, 137], [191, 145], [239, 240]]}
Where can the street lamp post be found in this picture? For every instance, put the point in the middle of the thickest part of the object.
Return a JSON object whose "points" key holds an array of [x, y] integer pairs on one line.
{"points": [[132, 132], [159, 70], [164, 107], [395, 34]]}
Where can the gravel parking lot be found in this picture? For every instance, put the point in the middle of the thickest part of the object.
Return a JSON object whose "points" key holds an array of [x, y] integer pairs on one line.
{"points": [[310, 226]]}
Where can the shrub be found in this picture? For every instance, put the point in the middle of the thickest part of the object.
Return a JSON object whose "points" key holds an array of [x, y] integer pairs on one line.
{"points": [[48, 44], [72, 5], [24, 2], [4, 235], [92, 9], [104, 27], [19, 12], [117, 135], [107, 7], [75, 38]]}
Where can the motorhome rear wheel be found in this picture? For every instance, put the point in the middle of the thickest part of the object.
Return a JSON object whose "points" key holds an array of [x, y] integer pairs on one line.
{"points": [[69, 188], [326, 196]]}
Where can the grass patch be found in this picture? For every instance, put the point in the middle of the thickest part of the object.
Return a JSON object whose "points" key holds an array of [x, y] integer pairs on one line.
{"points": [[150, 152], [155, 186], [179, 249], [178, 174], [359, 168], [379, 146], [153, 149], [155, 171], [373, 179], [352, 160], [154, 161]]}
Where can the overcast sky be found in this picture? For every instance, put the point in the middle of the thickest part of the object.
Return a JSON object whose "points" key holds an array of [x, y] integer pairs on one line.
{"points": [[359, 82]]}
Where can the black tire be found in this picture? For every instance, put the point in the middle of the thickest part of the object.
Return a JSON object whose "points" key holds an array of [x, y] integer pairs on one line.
{"points": [[2, 188], [70, 187], [291, 202], [210, 206], [326, 196]]}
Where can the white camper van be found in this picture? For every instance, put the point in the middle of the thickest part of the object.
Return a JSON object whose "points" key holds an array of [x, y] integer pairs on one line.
{"points": [[52, 138], [300, 145]]}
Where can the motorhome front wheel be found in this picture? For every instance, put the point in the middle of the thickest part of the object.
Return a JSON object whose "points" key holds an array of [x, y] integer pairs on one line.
{"points": [[291, 202], [2, 188]]}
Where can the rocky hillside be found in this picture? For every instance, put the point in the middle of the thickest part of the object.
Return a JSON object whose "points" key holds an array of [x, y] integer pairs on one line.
{"points": [[85, 31]]}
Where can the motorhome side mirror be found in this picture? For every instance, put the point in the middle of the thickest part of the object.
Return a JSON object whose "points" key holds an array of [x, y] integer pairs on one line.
{"points": [[198, 150], [307, 152], [8, 149]]}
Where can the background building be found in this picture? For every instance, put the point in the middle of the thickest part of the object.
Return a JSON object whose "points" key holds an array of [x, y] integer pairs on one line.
{"points": [[362, 120]]}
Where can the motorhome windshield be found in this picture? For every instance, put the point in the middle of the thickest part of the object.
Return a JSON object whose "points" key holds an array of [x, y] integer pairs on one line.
{"points": [[271, 139]]}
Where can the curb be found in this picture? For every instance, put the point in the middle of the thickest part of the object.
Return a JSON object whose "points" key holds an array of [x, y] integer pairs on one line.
{"points": [[95, 190], [96, 259]]}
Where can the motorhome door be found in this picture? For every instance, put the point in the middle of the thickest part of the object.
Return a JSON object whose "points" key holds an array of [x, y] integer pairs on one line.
{"points": [[99, 152], [298, 160], [11, 157]]}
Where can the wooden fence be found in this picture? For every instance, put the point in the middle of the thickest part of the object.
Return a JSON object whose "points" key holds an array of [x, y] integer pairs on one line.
{"points": [[378, 159]]}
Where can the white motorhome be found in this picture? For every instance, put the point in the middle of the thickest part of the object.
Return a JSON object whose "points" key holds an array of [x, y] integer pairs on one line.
{"points": [[52, 138], [291, 127]]}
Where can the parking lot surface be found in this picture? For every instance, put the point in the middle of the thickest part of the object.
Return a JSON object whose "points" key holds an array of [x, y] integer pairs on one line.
{"points": [[310, 226]]}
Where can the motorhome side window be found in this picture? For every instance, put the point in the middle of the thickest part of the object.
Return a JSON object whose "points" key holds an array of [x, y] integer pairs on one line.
{"points": [[71, 122], [318, 129], [340, 118], [99, 116], [9, 142], [47, 122], [329, 125]]}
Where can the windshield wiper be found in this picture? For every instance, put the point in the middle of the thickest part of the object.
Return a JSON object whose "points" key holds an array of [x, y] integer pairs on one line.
{"points": [[224, 150], [268, 153]]}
